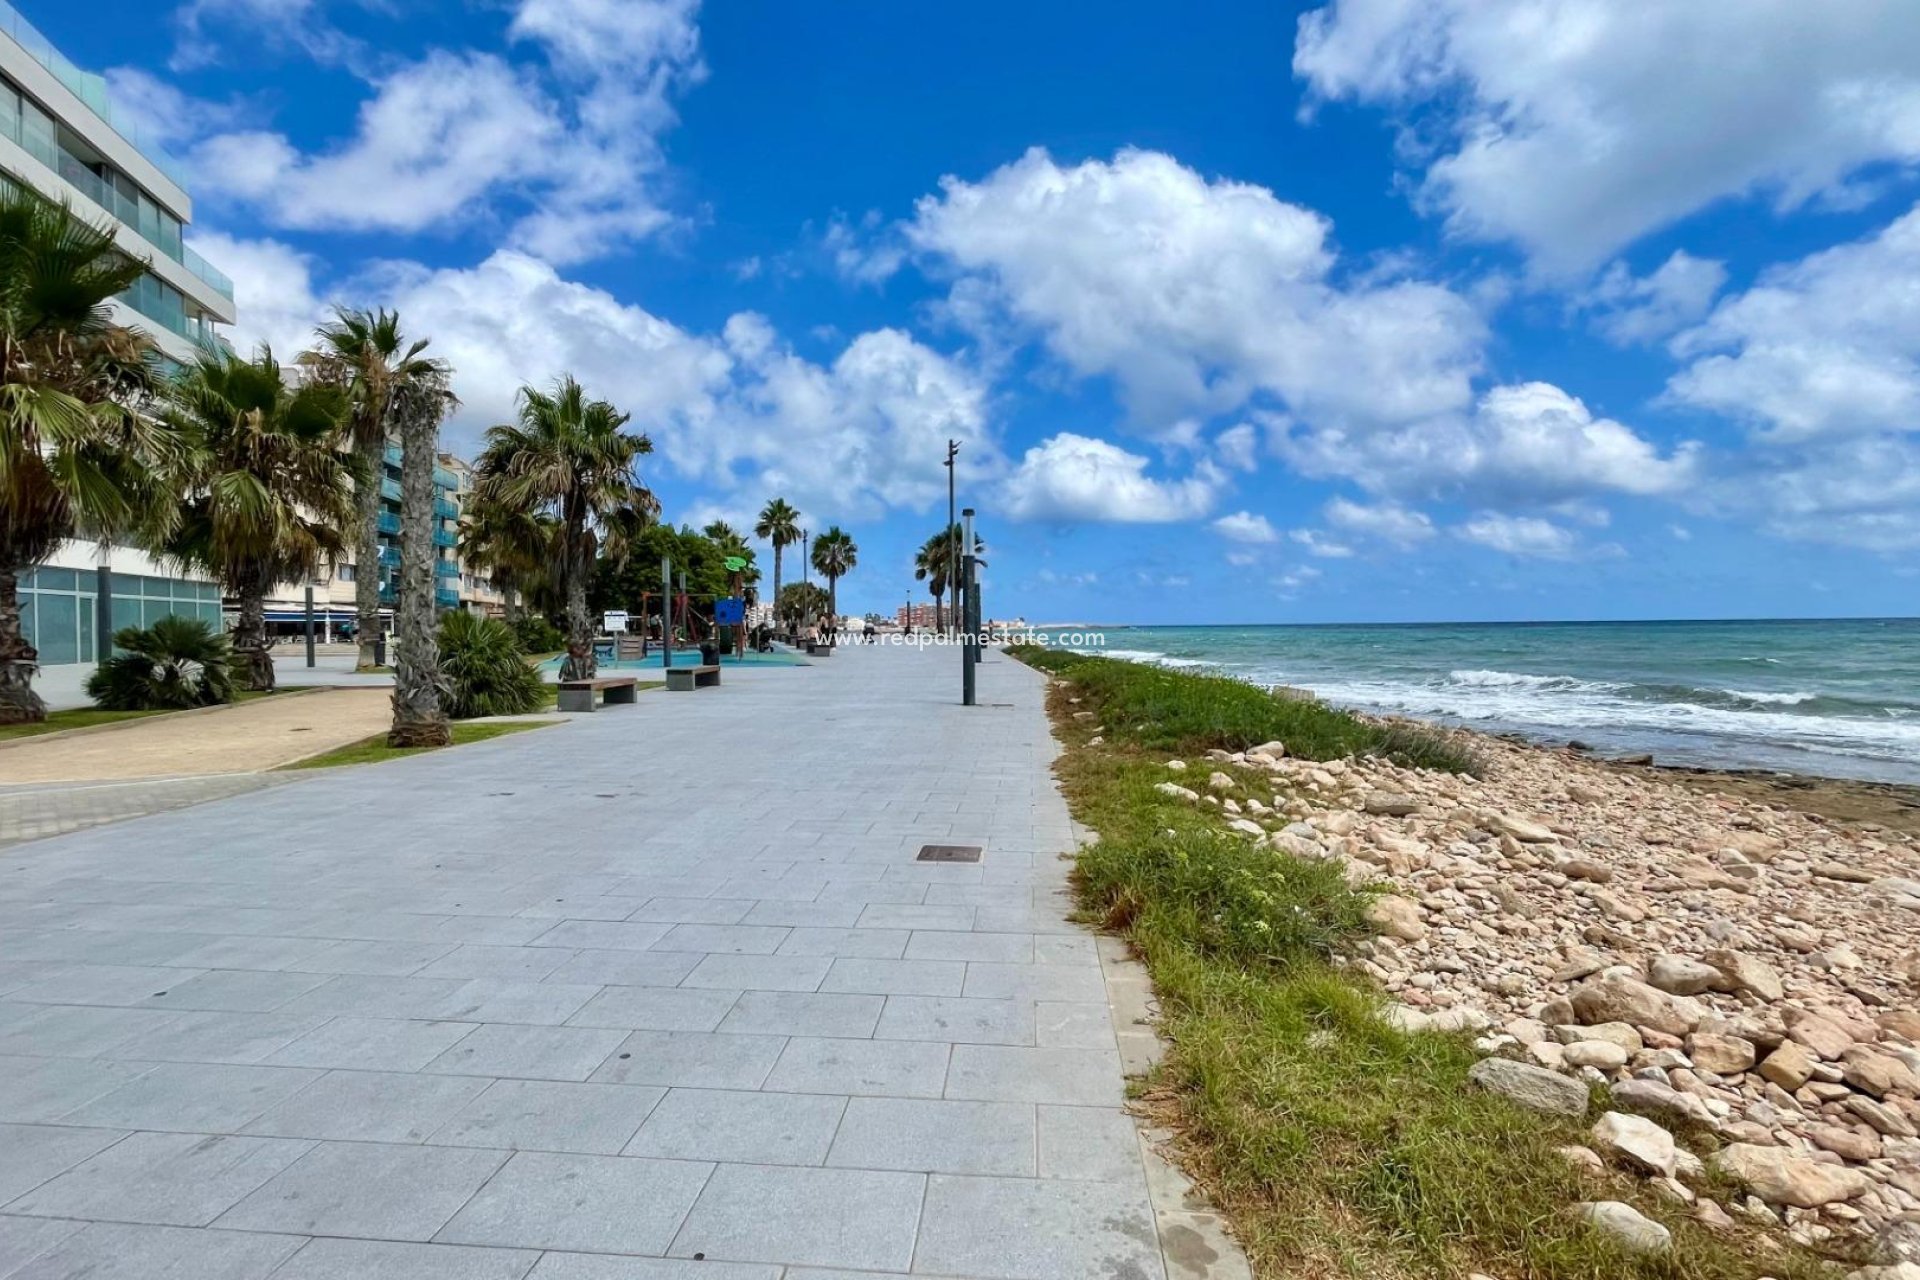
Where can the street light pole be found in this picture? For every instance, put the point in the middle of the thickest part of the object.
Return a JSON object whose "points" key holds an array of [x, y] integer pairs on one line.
{"points": [[953, 550], [970, 625]]}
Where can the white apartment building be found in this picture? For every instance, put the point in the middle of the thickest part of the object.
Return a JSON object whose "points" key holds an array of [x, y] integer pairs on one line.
{"points": [[61, 136]]}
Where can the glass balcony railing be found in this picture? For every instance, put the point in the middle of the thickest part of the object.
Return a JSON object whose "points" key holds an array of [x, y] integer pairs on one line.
{"points": [[445, 569], [446, 509], [390, 489], [89, 88], [444, 538], [445, 479], [446, 599], [388, 522], [389, 555]]}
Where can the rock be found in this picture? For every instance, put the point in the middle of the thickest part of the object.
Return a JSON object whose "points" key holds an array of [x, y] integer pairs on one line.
{"points": [[1391, 804], [1897, 1242], [1653, 1098], [1881, 1118], [1680, 976], [1221, 782], [1622, 999], [1710, 1215], [1581, 869], [1897, 1271], [1740, 972], [1600, 1054], [1532, 1087], [1870, 1071], [1247, 827], [1177, 791], [1789, 1066], [1585, 1160], [1525, 830], [1903, 1023], [1619, 1033], [1849, 1144], [1779, 1177], [1626, 1226], [1636, 1142], [1276, 749], [1614, 907], [1397, 918], [1177, 765], [1722, 1055], [1827, 1039]]}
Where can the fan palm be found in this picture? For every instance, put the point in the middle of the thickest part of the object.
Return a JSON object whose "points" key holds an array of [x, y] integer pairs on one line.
{"points": [[175, 664], [568, 456], [512, 546], [76, 456], [419, 719], [366, 353], [779, 524], [933, 564], [834, 556], [267, 490]]}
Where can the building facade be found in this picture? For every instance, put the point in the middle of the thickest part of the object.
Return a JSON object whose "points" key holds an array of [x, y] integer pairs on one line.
{"points": [[60, 135]]}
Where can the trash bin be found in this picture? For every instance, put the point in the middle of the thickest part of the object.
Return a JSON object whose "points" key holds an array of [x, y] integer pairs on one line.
{"points": [[380, 650], [709, 653]]}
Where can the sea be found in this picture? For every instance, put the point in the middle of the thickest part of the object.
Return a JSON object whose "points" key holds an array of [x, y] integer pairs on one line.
{"points": [[1827, 698]]}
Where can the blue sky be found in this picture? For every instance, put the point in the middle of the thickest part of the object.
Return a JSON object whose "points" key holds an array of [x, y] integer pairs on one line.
{"points": [[1371, 310]]}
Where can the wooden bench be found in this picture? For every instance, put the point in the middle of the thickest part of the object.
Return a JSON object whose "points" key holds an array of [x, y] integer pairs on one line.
{"points": [[682, 679], [577, 695]]}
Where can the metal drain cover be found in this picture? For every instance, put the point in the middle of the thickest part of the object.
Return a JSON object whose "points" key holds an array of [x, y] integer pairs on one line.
{"points": [[949, 853]]}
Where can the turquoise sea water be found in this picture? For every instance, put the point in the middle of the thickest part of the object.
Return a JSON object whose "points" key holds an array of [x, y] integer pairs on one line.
{"points": [[1833, 698]]}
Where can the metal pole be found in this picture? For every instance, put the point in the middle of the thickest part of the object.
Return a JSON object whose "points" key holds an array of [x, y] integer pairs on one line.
{"points": [[102, 609], [310, 662], [969, 636], [666, 611], [953, 551]]}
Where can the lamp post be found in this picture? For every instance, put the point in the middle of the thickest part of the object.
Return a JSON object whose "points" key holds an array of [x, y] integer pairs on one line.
{"points": [[970, 625], [953, 551]]}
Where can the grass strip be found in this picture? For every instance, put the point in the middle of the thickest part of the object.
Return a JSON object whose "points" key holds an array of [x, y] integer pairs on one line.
{"points": [[375, 749], [1337, 1145]]}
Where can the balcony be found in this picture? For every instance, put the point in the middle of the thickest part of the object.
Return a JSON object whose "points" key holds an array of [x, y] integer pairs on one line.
{"points": [[388, 522], [446, 569], [444, 599], [446, 509], [389, 555], [445, 538], [390, 489]]}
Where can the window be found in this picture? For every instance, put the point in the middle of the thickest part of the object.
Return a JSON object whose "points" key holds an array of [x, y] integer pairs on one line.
{"points": [[346, 573]]}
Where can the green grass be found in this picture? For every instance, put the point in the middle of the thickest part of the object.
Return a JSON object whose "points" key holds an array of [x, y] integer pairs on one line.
{"points": [[1166, 710], [375, 749], [78, 718], [1337, 1145]]}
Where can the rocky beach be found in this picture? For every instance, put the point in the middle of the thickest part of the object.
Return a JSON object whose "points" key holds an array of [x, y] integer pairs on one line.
{"points": [[1738, 966]]}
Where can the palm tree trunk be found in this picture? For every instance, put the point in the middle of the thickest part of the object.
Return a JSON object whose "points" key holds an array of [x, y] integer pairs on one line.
{"points": [[580, 663], [418, 720], [776, 583], [366, 554], [250, 632], [19, 704]]}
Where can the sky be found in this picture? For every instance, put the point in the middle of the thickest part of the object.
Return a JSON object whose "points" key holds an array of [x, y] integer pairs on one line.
{"points": [[1370, 310]]}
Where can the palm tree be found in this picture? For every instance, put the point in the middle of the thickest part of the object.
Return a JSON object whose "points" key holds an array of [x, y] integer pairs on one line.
{"points": [[76, 456], [512, 546], [568, 456], [267, 490], [419, 718], [834, 555], [365, 353], [932, 564], [780, 525]]}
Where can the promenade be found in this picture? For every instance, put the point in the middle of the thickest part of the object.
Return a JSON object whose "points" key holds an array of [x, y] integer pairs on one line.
{"points": [[659, 994]]}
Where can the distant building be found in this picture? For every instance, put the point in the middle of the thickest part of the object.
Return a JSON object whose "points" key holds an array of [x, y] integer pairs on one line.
{"points": [[61, 135], [919, 616]]}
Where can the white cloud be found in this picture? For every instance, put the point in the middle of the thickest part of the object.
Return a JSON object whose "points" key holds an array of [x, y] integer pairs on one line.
{"points": [[1527, 536], [1245, 526], [1525, 444], [1575, 128], [1070, 477], [1632, 310], [1320, 545], [1826, 346], [1387, 521], [1238, 447], [1193, 295], [1862, 492], [273, 291]]}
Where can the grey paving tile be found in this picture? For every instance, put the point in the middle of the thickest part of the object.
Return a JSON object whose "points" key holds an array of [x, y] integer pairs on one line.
{"points": [[589, 1266], [167, 1179], [896, 977], [725, 939], [739, 1127], [1072, 1026], [1006, 1073], [504, 1000], [364, 996], [956, 1020], [1023, 920], [1089, 1143], [529, 1052], [873, 943], [24, 1239], [921, 1135], [759, 973], [883, 1068], [384, 1260], [605, 935], [693, 1059], [527, 964], [369, 1190], [590, 1204], [35, 1153], [369, 1106], [803, 1013], [75, 1030], [546, 1115], [115, 1251], [242, 951], [627, 968], [1022, 1229], [889, 915], [821, 1217], [1062, 949], [34, 1089], [812, 915], [242, 1038], [111, 984], [693, 911], [377, 959], [1004, 948], [655, 1009], [1036, 982], [236, 991], [372, 1044], [193, 1097]]}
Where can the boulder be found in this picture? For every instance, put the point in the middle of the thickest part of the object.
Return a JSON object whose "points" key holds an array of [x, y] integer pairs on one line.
{"points": [[1389, 804], [1722, 1055], [1828, 1039], [1601, 1054], [1397, 918], [1276, 749], [1622, 999], [1221, 782], [1535, 1088], [1626, 1226], [1583, 869], [1177, 791], [1780, 1177], [1789, 1066], [1681, 976], [1871, 1071], [1636, 1142], [1650, 1097], [1525, 830], [1741, 972]]}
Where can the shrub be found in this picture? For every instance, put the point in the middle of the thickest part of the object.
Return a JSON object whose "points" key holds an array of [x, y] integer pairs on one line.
{"points": [[486, 672], [537, 635], [172, 665]]}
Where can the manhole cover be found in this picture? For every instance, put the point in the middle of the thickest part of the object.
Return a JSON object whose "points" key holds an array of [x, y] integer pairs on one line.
{"points": [[949, 853]]}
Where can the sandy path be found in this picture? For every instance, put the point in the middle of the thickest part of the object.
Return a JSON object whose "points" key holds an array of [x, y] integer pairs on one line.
{"points": [[249, 736]]}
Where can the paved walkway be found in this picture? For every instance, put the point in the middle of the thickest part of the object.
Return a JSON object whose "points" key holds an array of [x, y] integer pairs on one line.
{"points": [[665, 984], [253, 735]]}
